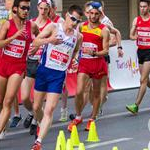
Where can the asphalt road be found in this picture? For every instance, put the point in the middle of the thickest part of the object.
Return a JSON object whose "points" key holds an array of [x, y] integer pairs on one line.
{"points": [[116, 127]]}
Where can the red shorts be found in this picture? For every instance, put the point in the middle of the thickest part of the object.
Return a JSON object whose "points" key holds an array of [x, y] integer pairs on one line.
{"points": [[96, 68], [7, 68]]}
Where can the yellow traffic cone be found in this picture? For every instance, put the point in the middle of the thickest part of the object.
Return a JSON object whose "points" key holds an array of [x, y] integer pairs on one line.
{"points": [[115, 148], [62, 139], [74, 136], [58, 143], [93, 136], [81, 146], [69, 145]]}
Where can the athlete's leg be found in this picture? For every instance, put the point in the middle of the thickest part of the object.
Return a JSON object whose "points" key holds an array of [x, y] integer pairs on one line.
{"points": [[96, 97], [37, 105], [14, 82], [145, 70], [64, 111], [51, 103], [26, 86], [82, 79], [103, 91], [3, 85]]}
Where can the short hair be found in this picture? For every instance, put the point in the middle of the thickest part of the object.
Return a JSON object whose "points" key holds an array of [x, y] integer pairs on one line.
{"points": [[75, 8], [87, 4], [17, 2], [146, 1], [53, 4]]}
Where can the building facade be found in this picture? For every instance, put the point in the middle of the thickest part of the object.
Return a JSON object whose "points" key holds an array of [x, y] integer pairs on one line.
{"points": [[121, 12]]}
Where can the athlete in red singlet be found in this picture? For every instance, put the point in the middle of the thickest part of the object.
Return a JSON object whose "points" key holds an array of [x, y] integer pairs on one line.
{"points": [[15, 39], [140, 32], [92, 63], [32, 63]]}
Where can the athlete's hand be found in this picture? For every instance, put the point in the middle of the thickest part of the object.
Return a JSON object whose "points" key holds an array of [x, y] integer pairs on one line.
{"points": [[55, 39], [32, 50], [21, 32], [87, 50], [120, 53]]}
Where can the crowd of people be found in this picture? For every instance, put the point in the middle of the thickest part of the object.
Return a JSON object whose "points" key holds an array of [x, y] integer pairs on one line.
{"points": [[39, 51]]}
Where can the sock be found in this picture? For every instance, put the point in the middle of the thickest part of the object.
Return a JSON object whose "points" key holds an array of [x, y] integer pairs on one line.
{"points": [[34, 122], [39, 140], [78, 117]]}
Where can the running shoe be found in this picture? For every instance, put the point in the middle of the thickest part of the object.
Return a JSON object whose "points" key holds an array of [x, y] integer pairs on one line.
{"points": [[15, 121], [88, 124], [64, 114], [2, 135], [74, 122], [33, 129], [36, 146], [28, 121], [133, 108], [72, 116]]}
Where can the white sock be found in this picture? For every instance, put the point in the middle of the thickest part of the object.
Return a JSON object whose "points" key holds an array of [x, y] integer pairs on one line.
{"points": [[39, 140], [34, 122], [78, 117]]}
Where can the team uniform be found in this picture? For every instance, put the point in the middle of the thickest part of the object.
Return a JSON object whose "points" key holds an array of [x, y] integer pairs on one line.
{"points": [[33, 61], [143, 41], [54, 63], [58, 19], [13, 59], [94, 66]]}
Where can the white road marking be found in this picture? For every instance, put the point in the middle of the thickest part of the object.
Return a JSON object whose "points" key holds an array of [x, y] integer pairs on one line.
{"points": [[106, 143], [85, 120]]}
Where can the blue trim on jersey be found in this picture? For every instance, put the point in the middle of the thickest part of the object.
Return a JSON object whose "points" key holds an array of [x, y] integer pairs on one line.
{"points": [[43, 57]]}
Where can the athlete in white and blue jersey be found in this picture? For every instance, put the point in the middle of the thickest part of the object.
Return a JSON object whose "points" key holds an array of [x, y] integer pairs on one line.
{"points": [[61, 44]]}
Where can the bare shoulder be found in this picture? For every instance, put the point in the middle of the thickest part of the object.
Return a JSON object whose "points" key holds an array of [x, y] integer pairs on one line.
{"points": [[105, 30], [134, 21], [5, 25]]}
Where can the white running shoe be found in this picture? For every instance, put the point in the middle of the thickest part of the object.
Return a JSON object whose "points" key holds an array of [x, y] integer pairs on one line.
{"points": [[2, 135], [64, 115]]}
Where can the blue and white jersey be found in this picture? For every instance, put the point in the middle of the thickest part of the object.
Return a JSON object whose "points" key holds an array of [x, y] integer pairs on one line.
{"points": [[58, 57]]}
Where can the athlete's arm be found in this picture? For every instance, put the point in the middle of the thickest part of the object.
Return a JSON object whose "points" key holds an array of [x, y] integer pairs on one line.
{"points": [[3, 33], [117, 34], [34, 29], [80, 38], [133, 33], [48, 35], [35, 32], [105, 37]]}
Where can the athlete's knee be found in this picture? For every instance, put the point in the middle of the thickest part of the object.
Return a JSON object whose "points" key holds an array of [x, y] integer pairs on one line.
{"points": [[8, 101], [36, 108], [144, 81], [49, 111]]}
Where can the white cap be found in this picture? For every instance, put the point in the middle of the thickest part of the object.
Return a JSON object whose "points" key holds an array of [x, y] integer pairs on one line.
{"points": [[45, 1]]}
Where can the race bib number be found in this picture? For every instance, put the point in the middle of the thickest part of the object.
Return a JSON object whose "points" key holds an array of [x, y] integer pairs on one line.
{"points": [[15, 48], [59, 57], [87, 46]]}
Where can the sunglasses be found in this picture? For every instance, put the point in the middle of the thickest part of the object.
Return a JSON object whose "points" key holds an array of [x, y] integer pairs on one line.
{"points": [[74, 19], [25, 8]]}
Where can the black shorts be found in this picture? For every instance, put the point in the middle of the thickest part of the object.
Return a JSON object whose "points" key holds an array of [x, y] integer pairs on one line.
{"points": [[143, 55], [107, 59], [32, 68]]}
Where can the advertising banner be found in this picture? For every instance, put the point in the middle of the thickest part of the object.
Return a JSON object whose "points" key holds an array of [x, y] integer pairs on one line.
{"points": [[124, 72]]}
